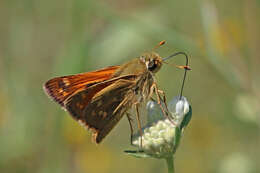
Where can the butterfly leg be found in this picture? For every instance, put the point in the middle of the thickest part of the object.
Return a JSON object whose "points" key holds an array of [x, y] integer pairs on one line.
{"points": [[155, 89], [139, 125], [131, 127], [164, 98]]}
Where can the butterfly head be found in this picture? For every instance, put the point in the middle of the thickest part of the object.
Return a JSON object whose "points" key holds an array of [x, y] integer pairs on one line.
{"points": [[152, 61]]}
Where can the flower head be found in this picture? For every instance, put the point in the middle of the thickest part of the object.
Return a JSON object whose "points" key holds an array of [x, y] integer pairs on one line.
{"points": [[161, 136]]}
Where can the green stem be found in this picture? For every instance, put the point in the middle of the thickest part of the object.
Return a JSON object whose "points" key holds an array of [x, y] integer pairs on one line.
{"points": [[170, 164]]}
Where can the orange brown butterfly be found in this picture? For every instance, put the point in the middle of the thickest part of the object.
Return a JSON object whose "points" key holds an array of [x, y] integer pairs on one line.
{"points": [[99, 99]]}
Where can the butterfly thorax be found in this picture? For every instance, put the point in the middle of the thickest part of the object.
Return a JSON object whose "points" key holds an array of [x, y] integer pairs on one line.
{"points": [[148, 62], [142, 69]]}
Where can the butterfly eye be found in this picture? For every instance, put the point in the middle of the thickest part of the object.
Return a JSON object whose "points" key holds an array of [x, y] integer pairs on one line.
{"points": [[152, 65]]}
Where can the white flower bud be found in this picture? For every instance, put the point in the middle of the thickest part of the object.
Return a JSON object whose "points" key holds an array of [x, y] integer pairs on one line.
{"points": [[159, 135], [179, 108]]}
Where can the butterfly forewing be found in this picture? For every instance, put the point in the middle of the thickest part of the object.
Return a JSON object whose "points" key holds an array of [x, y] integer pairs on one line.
{"points": [[61, 88]]}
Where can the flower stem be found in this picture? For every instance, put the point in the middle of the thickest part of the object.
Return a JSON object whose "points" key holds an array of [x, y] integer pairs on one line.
{"points": [[170, 164]]}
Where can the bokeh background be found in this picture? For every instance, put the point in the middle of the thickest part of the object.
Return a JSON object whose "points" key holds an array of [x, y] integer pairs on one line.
{"points": [[41, 39]]}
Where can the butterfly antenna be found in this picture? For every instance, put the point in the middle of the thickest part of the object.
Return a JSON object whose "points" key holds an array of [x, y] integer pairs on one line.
{"points": [[186, 68], [159, 44]]}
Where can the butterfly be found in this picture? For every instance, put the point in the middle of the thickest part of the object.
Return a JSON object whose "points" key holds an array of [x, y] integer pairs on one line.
{"points": [[99, 99]]}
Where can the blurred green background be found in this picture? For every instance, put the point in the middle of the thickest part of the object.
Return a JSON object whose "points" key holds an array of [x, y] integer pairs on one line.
{"points": [[41, 39]]}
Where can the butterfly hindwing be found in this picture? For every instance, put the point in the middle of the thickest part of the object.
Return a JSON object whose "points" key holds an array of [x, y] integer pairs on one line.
{"points": [[102, 110]]}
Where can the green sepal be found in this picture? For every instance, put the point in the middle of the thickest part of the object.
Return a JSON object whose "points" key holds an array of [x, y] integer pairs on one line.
{"points": [[177, 139], [138, 153], [186, 119]]}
